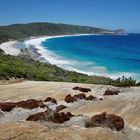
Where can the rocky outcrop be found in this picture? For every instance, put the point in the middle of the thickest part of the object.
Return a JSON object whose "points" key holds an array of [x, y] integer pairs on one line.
{"points": [[28, 104], [115, 121], [50, 99], [60, 117], [90, 97], [111, 92], [82, 89], [60, 107], [37, 116], [7, 106], [108, 120], [70, 99], [126, 105], [80, 96], [51, 116]]}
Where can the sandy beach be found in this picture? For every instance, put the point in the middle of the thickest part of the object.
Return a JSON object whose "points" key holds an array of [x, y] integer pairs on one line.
{"points": [[126, 104], [48, 55], [10, 48]]}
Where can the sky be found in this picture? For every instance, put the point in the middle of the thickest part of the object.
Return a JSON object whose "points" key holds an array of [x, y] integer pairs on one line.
{"points": [[109, 14]]}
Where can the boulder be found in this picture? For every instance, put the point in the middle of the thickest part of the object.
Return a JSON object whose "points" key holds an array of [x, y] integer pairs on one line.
{"points": [[60, 117], [50, 116], [7, 106], [111, 92], [80, 96], [90, 97], [36, 117], [108, 120], [50, 99], [99, 119], [45, 116], [74, 98], [115, 121], [28, 104], [70, 98], [60, 107], [82, 89], [76, 88]]}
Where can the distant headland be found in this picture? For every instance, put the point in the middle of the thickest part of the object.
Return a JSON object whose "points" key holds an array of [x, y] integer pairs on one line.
{"points": [[22, 31]]}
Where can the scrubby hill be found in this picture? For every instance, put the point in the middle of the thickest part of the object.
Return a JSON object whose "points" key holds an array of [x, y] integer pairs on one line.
{"points": [[21, 67], [11, 66], [20, 31]]}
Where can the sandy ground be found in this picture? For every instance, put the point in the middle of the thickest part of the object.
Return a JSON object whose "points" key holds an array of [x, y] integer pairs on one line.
{"points": [[126, 104], [10, 48]]}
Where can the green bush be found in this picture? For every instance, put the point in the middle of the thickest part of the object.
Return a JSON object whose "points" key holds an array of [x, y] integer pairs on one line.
{"points": [[138, 84], [11, 66], [124, 82]]}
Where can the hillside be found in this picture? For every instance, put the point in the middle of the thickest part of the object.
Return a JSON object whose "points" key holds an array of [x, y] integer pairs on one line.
{"points": [[12, 66], [21, 31]]}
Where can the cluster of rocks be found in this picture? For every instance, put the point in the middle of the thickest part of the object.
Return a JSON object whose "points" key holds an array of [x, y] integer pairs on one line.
{"points": [[51, 116], [48, 115], [57, 116], [69, 98]]}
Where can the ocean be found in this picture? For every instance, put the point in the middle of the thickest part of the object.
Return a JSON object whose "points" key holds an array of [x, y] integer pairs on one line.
{"points": [[103, 55]]}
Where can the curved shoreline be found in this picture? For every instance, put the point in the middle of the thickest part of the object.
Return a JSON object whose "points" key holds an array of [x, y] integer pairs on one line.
{"points": [[54, 59], [10, 48], [44, 55]]}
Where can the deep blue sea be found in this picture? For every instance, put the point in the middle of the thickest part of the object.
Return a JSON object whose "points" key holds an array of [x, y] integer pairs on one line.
{"points": [[105, 55]]}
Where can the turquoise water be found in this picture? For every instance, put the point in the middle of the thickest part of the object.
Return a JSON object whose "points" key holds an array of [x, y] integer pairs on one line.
{"points": [[105, 55]]}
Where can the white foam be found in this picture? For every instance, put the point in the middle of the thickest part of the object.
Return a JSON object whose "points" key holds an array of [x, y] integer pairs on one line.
{"points": [[102, 71], [48, 55]]}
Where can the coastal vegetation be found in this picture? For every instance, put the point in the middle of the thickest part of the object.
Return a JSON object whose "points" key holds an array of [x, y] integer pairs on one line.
{"points": [[21, 67], [124, 82], [26, 68]]}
